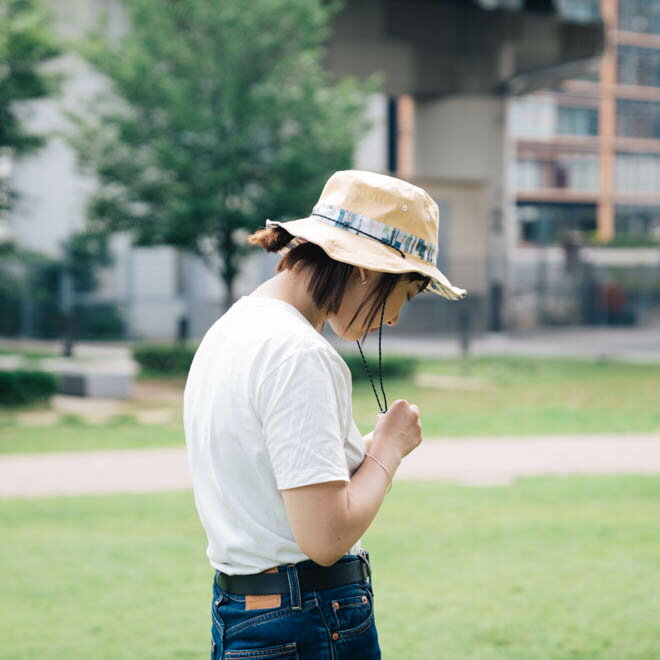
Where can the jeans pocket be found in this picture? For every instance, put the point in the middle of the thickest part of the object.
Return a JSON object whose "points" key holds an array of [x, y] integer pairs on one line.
{"points": [[218, 623], [287, 651], [353, 612]]}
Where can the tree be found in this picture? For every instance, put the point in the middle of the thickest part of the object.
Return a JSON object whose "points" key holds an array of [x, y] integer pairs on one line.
{"points": [[26, 42], [219, 115]]}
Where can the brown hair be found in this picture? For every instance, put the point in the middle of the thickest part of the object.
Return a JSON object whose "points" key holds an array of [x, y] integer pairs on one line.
{"points": [[328, 277]]}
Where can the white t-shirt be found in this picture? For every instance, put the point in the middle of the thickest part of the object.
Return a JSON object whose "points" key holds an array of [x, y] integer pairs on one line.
{"points": [[267, 406]]}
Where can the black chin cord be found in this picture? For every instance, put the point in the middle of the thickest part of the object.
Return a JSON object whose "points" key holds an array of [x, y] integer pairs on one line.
{"points": [[380, 371]]}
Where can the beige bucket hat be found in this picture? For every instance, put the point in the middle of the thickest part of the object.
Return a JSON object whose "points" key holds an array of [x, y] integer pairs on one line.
{"points": [[378, 222]]}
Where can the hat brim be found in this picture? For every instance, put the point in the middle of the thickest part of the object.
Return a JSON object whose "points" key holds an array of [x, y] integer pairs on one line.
{"points": [[350, 248]]}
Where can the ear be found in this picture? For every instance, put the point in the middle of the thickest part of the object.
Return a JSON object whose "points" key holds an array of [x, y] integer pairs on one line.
{"points": [[363, 273]]}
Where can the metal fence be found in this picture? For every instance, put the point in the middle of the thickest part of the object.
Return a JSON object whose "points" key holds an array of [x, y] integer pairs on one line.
{"points": [[601, 287]]}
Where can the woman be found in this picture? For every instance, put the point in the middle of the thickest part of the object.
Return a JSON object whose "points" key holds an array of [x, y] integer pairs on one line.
{"points": [[282, 482]]}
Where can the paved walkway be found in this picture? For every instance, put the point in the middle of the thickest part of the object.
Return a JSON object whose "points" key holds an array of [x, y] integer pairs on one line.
{"points": [[624, 344], [475, 461], [635, 344]]}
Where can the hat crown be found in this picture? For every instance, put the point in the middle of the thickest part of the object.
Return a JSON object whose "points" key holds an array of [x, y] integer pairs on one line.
{"points": [[384, 199]]}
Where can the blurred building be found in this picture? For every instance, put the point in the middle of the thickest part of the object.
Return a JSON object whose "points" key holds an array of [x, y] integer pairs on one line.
{"points": [[587, 173], [505, 173], [451, 69]]}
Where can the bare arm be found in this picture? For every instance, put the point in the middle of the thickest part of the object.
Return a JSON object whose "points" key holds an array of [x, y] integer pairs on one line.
{"points": [[344, 510], [367, 440], [328, 518]]}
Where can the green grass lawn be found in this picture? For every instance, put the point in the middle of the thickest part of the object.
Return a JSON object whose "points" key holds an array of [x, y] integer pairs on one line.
{"points": [[513, 396], [546, 568], [74, 435], [526, 396]]}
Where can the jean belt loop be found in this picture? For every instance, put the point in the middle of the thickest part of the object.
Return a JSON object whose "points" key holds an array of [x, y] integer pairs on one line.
{"points": [[294, 586]]}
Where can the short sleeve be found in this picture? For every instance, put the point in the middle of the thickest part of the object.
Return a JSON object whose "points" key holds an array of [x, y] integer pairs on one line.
{"points": [[301, 407]]}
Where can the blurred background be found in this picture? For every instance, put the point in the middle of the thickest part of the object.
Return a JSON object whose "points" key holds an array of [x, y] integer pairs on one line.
{"points": [[534, 125], [141, 142]]}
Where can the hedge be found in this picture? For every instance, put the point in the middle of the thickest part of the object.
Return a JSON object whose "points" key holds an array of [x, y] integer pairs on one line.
{"points": [[177, 358], [173, 360], [21, 387], [392, 366]]}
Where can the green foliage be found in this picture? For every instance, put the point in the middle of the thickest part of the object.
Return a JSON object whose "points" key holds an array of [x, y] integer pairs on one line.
{"points": [[35, 277], [218, 117], [99, 320], [625, 241], [9, 302], [21, 387], [26, 41], [85, 252], [40, 277], [392, 366], [172, 360]]}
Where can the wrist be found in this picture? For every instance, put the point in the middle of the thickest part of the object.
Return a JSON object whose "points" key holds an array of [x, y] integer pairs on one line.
{"points": [[387, 453], [390, 476]]}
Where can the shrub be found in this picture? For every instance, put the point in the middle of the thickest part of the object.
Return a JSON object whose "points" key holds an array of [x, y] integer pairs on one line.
{"points": [[10, 303], [99, 320], [176, 360], [626, 241], [393, 366], [21, 387], [171, 360]]}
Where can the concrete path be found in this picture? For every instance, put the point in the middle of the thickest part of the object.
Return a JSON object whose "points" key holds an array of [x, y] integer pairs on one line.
{"points": [[635, 344], [641, 345], [475, 461]]}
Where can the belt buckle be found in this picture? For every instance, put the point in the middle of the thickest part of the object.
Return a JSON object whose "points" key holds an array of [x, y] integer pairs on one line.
{"points": [[366, 566]]}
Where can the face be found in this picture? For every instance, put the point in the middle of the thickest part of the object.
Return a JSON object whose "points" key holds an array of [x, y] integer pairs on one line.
{"points": [[356, 292]]}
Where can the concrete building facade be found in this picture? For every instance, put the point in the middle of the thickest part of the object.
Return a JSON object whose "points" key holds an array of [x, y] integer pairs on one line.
{"points": [[587, 168]]}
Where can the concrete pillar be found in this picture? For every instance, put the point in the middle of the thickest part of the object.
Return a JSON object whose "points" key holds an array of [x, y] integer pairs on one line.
{"points": [[405, 136], [461, 142], [605, 220]]}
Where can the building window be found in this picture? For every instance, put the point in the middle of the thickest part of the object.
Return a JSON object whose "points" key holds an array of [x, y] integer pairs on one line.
{"points": [[565, 170], [579, 10], [577, 121], [544, 224], [510, 5], [639, 16], [639, 66], [632, 220], [637, 173], [638, 119], [533, 116], [541, 116]]}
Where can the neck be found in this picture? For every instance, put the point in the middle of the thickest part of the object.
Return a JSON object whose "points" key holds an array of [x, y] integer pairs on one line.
{"points": [[291, 287]]}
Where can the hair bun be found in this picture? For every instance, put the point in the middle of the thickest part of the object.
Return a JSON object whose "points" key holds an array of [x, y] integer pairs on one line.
{"points": [[271, 239]]}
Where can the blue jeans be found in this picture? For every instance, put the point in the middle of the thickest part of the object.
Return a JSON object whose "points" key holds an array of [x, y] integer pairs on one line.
{"points": [[333, 624]]}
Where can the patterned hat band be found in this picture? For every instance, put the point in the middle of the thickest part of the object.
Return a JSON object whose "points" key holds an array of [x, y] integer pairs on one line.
{"points": [[360, 224]]}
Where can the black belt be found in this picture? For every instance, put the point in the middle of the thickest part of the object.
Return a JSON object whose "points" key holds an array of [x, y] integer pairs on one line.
{"points": [[311, 578]]}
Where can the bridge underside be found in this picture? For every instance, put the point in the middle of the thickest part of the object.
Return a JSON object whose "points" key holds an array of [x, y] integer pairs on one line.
{"points": [[431, 48]]}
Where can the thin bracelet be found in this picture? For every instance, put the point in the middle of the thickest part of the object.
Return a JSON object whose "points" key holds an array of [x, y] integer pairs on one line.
{"points": [[389, 488]]}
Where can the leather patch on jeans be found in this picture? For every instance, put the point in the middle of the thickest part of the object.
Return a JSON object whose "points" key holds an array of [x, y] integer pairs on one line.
{"points": [[263, 601]]}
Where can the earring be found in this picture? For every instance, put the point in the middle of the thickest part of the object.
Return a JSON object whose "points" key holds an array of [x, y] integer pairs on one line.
{"points": [[364, 281]]}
